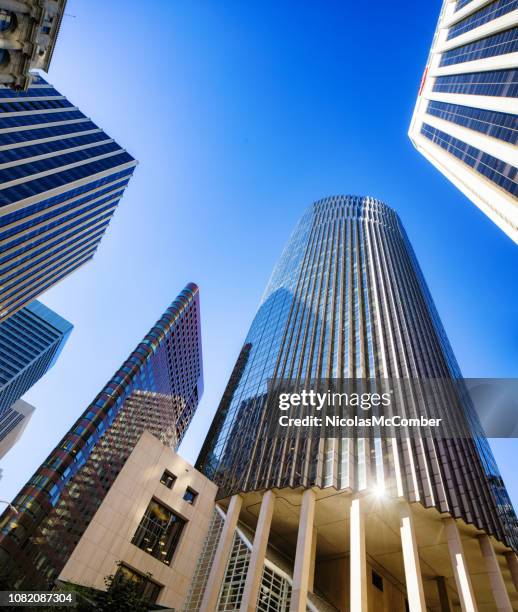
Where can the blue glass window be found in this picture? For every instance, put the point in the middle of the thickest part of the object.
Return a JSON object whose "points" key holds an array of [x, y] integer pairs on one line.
{"points": [[484, 15], [502, 174], [502, 83], [503, 126], [498, 44], [40, 185]]}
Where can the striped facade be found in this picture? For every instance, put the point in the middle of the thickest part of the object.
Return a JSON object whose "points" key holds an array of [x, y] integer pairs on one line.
{"points": [[61, 179], [156, 389], [347, 300], [30, 342], [466, 117]]}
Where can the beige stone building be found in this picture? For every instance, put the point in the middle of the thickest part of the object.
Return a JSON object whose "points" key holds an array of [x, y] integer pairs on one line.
{"points": [[28, 34], [153, 521]]}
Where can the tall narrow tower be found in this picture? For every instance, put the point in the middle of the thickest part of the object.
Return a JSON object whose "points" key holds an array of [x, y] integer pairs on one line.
{"points": [[156, 389], [466, 116], [347, 300]]}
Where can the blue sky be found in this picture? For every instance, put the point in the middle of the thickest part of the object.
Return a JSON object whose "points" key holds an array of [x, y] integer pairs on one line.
{"points": [[241, 114]]}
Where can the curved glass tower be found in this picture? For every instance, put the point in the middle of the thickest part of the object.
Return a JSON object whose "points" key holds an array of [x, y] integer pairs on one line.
{"points": [[347, 300]]}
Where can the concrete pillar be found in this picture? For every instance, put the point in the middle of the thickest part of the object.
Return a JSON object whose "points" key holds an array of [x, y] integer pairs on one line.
{"points": [[312, 565], [358, 557], [255, 567], [460, 567], [512, 562], [219, 564], [444, 595], [414, 581], [299, 594], [495, 575]]}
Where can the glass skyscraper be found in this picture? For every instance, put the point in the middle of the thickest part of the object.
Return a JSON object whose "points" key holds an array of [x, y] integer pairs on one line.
{"points": [[61, 179], [156, 389], [347, 300], [30, 342], [465, 121]]}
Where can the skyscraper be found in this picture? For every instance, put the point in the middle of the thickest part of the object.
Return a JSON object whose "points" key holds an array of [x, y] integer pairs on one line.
{"points": [[347, 300], [12, 423], [61, 179], [157, 389], [465, 121], [30, 342], [28, 32]]}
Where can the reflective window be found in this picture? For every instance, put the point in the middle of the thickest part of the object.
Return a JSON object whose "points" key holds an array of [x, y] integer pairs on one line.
{"points": [[502, 83], [498, 44], [502, 174], [190, 495], [484, 15], [503, 126], [147, 589], [159, 532]]}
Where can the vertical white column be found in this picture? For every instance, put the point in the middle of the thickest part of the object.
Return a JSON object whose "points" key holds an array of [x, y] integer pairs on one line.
{"points": [[255, 567], [219, 564], [512, 562], [358, 557], [460, 568], [495, 575], [414, 580], [299, 593]]}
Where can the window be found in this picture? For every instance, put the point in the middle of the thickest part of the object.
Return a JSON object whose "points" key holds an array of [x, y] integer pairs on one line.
{"points": [[159, 532], [190, 496], [168, 479], [147, 589], [377, 580]]}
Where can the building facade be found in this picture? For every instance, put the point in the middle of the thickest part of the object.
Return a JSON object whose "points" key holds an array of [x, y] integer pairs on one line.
{"points": [[149, 528], [28, 34], [466, 117], [12, 424], [30, 342], [157, 389], [347, 300], [61, 179]]}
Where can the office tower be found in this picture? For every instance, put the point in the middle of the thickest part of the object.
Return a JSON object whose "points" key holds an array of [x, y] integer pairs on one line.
{"points": [[28, 33], [30, 342], [61, 178], [465, 121], [12, 424], [156, 390], [347, 300]]}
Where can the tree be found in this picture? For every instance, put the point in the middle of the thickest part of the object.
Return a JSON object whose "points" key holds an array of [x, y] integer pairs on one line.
{"points": [[122, 594]]}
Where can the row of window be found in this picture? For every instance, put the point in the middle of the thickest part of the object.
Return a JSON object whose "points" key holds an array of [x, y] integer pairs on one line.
{"points": [[503, 126], [58, 179], [10, 121], [484, 15], [502, 174], [501, 83], [498, 44]]}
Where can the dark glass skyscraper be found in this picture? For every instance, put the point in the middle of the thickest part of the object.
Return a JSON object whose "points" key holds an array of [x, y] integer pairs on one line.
{"points": [[61, 179], [156, 389], [346, 300], [30, 342]]}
